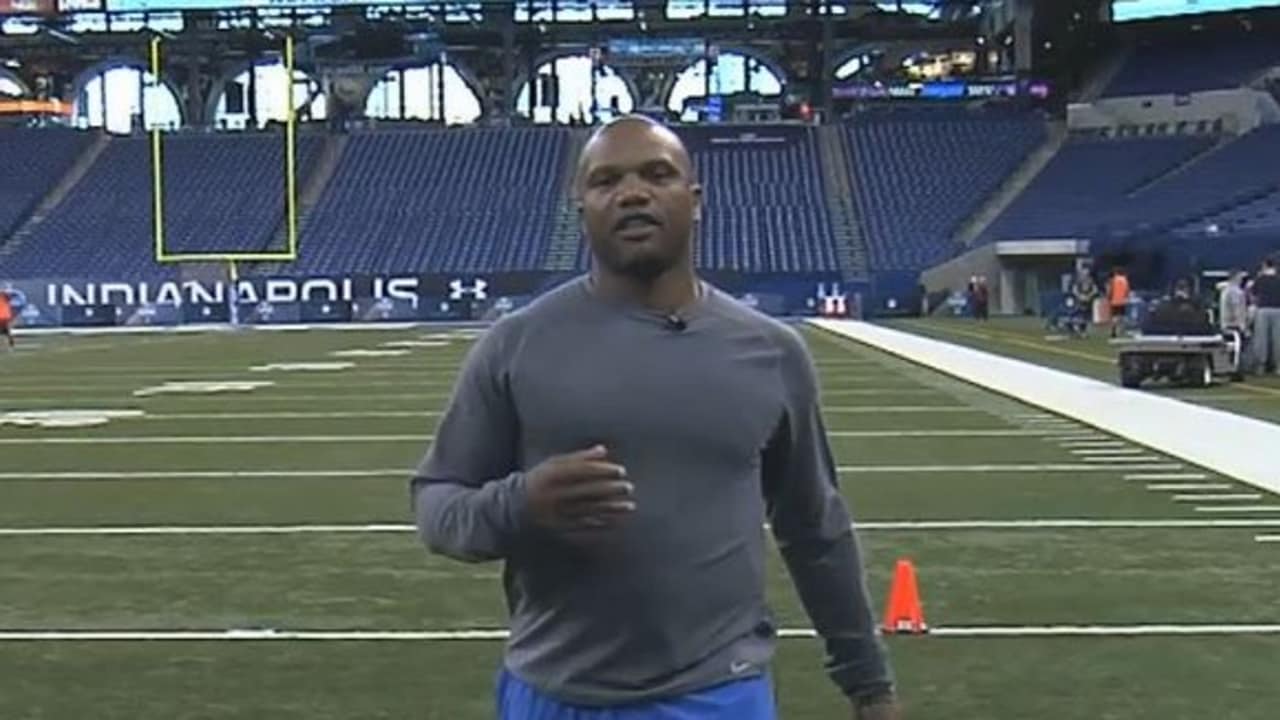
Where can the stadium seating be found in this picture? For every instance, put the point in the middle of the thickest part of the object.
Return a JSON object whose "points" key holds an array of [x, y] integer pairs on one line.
{"points": [[1103, 188], [919, 175], [461, 200], [34, 160], [223, 194], [764, 207], [764, 202], [1192, 64]]}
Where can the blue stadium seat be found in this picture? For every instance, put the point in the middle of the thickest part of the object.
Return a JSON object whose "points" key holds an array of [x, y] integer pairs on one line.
{"points": [[919, 175], [458, 200], [1191, 64], [1102, 188], [34, 160], [764, 200], [223, 194]]}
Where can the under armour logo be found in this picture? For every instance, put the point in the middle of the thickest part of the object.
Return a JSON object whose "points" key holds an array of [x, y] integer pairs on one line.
{"points": [[477, 290]]}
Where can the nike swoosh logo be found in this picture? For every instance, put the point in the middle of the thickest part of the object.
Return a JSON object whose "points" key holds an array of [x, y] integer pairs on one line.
{"points": [[738, 668]]}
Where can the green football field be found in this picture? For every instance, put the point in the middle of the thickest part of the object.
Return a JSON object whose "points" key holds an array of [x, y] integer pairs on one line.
{"points": [[285, 507]]}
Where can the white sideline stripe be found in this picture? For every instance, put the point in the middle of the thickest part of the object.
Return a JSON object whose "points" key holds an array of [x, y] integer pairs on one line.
{"points": [[1239, 509], [274, 635], [407, 472], [1220, 497], [1167, 476], [1158, 487], [1233, 445], [869, 526]]}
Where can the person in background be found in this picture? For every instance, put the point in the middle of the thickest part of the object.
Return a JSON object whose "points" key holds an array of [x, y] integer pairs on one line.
{"points": [[1084, 291], [1178, 314], [981, 298], [1266, 330], [6, 318], [1233, 312], [1118, 292]]}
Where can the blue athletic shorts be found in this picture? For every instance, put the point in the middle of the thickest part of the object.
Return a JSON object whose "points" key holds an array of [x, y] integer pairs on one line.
{"points": [[748, 699]]}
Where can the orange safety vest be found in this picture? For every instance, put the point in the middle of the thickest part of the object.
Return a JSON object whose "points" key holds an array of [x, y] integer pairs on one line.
{"points": [[1119, 294]]}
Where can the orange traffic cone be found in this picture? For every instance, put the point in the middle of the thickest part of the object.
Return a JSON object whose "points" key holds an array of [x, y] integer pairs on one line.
{"points": [[904, 613]]}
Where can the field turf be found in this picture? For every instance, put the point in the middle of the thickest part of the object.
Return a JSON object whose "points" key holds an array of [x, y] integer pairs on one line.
{"points": [[334, 447]]}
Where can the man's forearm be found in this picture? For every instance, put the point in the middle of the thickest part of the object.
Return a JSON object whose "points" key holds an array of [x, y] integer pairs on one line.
{"points": [[473, 524], [827, 575]]}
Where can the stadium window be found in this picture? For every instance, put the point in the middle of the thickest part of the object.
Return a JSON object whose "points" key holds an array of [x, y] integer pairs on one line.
{"points": [[850, 67], [308, 101], [134, 22], [460, 12], [686, 9], [928, 9], [421, 96], [569, 90], [19, 26], [733, 73], [573, 10], [110, 100], [9, 86]]}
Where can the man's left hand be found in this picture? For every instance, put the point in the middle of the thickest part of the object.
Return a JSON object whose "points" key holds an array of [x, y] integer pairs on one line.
{"points": [[886, 709]]}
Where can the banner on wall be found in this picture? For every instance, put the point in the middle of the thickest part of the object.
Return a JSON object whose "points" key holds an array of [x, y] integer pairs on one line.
{"points": [[369, 298]]}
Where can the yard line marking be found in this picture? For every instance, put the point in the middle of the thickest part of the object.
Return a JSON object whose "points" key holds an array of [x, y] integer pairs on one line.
{"points": [[868, 526], [1157, 487], [1084, 444], [494, 635], [1121, 451], [877, 409], [880, 391], [292, 415], [1267, 538], [1105, 630], [408, 472], [1220, 497], [231, 439], [1239, 508], [213, 439], [1167, 476], [261, 395], [125, 530], [201, 474], [955, 433], [1028, 467], [1122, 459]]}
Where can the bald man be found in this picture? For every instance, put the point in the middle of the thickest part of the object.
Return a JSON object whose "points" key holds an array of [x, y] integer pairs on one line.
{"points": [[619, 443]]}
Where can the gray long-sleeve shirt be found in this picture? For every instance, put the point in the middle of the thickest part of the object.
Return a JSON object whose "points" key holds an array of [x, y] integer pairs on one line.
{"points": [[719, 428]]}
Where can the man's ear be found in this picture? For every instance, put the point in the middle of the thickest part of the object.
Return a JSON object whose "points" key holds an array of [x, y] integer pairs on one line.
{"points": [[696, 189]]}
